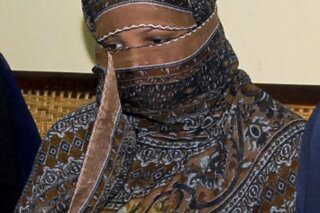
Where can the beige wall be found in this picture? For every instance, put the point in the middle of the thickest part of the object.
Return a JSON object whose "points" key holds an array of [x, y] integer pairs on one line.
{"points": [[44, 35], [276, 41]]}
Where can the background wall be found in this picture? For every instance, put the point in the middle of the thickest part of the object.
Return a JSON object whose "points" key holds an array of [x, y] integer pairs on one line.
{"points": [[276, 41]]}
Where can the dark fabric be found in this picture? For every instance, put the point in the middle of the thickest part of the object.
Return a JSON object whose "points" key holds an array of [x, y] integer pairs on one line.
{"points": [[201, 9], [19, 139], [308, 183]]}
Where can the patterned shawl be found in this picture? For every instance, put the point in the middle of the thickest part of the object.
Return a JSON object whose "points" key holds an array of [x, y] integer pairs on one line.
{"points": [[177, 127]]}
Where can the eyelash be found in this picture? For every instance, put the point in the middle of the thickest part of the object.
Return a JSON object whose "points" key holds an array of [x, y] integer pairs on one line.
{"points": [[159, 40], [120, 46], [113, 46]]}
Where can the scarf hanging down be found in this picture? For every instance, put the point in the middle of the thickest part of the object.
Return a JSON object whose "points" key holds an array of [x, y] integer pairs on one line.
{"points": [[171, 131]]}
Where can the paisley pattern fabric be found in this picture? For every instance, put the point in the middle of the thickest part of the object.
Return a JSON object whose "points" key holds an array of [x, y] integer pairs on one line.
{"points": [[201, 9], [58, 163], [239, 156], [190, 135]]}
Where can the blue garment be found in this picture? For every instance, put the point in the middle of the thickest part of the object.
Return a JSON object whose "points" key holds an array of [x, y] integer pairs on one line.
{"points": [[308, 181], [19, 139]]}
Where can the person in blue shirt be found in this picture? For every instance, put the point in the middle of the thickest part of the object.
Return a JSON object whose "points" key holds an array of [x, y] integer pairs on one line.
{"points": [[308, 181], [19, 139]]}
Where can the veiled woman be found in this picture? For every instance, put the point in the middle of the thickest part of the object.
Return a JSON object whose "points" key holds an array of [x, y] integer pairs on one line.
{"points": [[177, 127]]}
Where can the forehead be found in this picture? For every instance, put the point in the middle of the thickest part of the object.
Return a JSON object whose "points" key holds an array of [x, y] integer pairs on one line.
{"points": [[136, 15]]}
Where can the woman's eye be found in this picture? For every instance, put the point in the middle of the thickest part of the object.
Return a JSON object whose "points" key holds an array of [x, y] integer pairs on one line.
{"points": [[159, 40], [114, 46]]}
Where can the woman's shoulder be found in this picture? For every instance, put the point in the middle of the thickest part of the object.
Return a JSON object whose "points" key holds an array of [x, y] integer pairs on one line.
{"points": [[252, 98], [261, 114], [59, 160], [81, 118]]}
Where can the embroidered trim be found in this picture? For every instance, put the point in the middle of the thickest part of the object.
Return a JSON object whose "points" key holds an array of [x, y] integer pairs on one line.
{"points": [[161, 27], [174, 40], [132, 3]]}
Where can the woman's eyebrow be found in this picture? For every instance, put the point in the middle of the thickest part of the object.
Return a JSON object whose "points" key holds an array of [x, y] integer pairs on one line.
{"points": [[148, 29], [108, 39], [159, 32]]}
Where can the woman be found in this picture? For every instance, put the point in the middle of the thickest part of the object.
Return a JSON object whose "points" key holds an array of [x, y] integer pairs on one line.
{"points": [[176, 127]]}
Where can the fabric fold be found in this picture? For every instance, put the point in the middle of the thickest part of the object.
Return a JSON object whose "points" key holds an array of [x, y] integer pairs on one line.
{"points": [[100, 141]]}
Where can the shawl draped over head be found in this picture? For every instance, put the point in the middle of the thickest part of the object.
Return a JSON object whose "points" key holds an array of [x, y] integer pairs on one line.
{"points": [[177, 127]]}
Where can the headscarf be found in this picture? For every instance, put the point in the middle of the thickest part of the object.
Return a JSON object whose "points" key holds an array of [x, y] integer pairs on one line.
{"points": [[200, 9], [138, 69], [178, 128]]}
